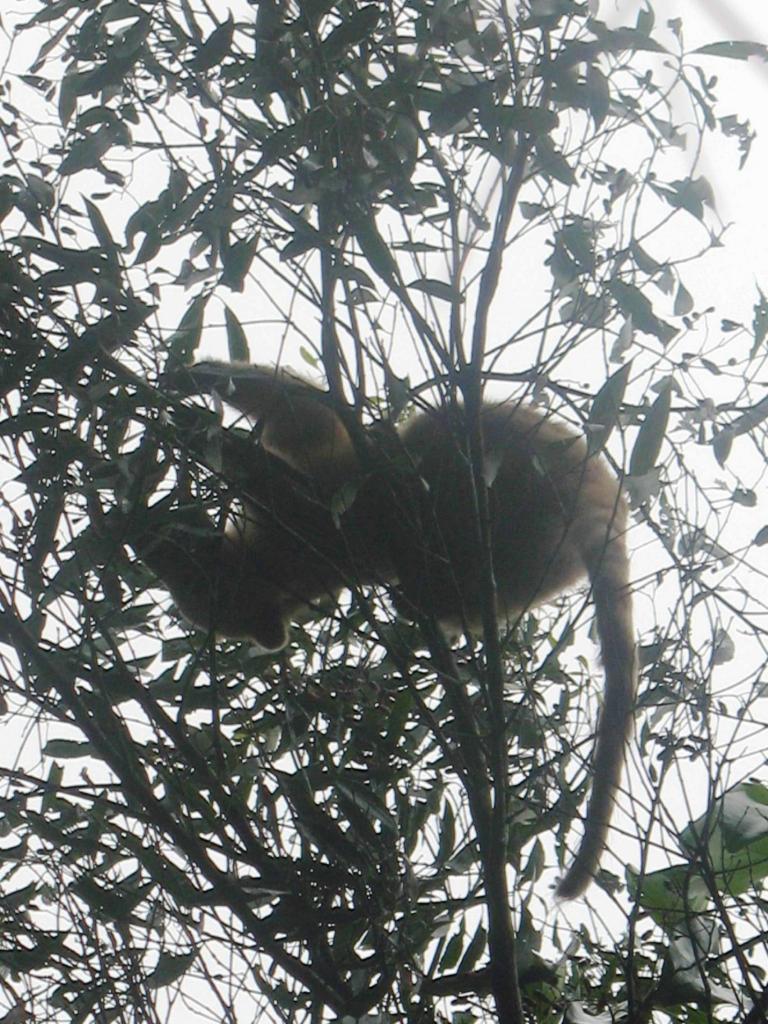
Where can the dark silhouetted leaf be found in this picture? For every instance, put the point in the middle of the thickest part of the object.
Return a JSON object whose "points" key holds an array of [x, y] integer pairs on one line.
{"points": [[237, 342], [215, 47], [170, 967], [352, 30], [734, 50], [185, 340], [438, 289], [722, 443], [604, 414], [633, 303], [647, 446]]}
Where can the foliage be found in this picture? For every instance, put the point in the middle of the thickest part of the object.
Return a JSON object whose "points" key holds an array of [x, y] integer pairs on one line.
{"points": [[312, 835]]}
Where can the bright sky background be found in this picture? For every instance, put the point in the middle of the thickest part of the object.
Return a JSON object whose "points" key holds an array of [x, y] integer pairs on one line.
{"points": [[742, 89]]}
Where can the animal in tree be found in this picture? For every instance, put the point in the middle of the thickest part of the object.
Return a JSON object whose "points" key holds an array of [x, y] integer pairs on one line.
{"points": [[555, 514]]}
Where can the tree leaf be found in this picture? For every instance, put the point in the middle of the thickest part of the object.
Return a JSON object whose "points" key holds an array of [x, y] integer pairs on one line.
{"points": [[236, 262], [237, 342], [552, 163], [633, 303], [651, 435], [744, 497], [598, 94], [170, 967], [604, 414], [374, 249], [185, 340], [721, 444], [734, 50], [100, 228], [352, 30], [216, 46], [438, 289], [62, 748], [521, 118], [683, 301], [734, 833], [454, 108], [759, 322], [474, 950]]}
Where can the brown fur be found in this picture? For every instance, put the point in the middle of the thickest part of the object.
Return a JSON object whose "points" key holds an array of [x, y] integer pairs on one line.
{"points": [[556, 514]]}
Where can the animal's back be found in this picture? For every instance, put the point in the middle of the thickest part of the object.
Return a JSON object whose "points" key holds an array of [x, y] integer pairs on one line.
{"points": [[548, 503]]}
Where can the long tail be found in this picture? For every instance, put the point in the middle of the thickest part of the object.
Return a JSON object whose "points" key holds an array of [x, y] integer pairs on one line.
{"points": [[609, 573]]}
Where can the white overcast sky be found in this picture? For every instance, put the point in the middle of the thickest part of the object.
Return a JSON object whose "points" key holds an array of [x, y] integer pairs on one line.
{"points": [[741, 195]]}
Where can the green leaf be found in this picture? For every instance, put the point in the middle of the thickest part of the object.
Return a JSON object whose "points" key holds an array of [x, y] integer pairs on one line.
{"points": [[100, 228], [623, 341], [454, 107], [474, 951], [548, 12], [365, 800], [68, 748], [53, 11], [113, 902], [651, 435], [438, 289], [532, 120], [744, 497], [683, 301], [309, 357], [447, 842], [87, 153], [450, 957], [598, 94], [552, 163], [684, 977], [644, 262], [374, 248], [691, 194], [398, 717], [633, 303], [669, 896], [342, 501], [604, 414], [305, 239], [67, 99], [215, 47], [185, 340], [751, 418], [237, 342], [351, 31], [734, 834], [170, 967], [734, 50], [645, 21], [722, 443], [236, 262], [150, 246], [532, 210], [624, 38], [759, 322], [181, 215]]}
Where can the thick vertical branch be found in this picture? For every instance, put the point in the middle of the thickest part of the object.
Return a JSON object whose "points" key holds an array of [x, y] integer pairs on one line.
{"points": [[501, 935], [493, 848], [491, 272]]}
